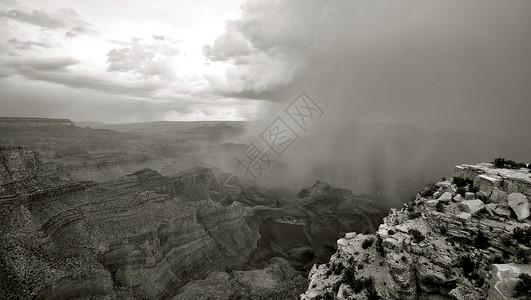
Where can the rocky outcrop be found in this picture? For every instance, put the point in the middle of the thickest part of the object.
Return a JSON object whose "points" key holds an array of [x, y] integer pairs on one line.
{"points": [[504, 279], [19, 122], [139, 236], [471, 249], [278, 280], [20, 171]]}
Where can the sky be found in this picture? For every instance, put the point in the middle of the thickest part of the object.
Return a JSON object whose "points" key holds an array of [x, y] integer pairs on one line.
{"points": [[439, 64]]}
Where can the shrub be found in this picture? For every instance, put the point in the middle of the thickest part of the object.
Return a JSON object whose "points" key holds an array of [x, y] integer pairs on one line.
{"points": [[461, 191], [362, 283], [499, 162], [390, 232], [367, 243], [308, 255], [349, 276], [429, 190], [339, 269], [507, 163], [507, 241], [439, 207], [521, 257], [523, 286], [372, 294], [473, 189], [379, 246], [414, 215], [468, 265], [481, 241], [303, 193], [459, 181], [417, 235], [335, 287], [522, 236], [444, 231]]}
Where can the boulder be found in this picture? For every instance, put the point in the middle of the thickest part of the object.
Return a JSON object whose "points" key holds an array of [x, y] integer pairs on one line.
{"points": [[519, 204], [350, 235], [472, 206], [431, 277], [489, 209], [502, 212], [444, 185], [464, 217], [432, 203], [458, 198], [470, 196], [445, 197], [498, 196], [488, 182]]}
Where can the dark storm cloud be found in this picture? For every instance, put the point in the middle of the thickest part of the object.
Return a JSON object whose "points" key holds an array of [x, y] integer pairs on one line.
{"points": [[56, 70], [26, 45], [462, 66], [435, 63], [65, 18]]}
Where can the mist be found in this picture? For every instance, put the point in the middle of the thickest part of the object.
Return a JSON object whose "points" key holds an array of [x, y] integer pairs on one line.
{"points": [[408, 89]]}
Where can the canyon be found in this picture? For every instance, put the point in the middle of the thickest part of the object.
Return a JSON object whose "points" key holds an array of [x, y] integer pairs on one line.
{"points": [[465, 238], [145, 235]]}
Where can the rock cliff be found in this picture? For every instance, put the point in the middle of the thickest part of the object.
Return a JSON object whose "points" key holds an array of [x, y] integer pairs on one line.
{"points": [[20, 122], [148, 236], [468, 238], [142, 236]]}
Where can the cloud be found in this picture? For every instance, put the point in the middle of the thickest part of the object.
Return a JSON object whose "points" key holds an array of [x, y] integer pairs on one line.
{"points": [[62, 19], [44, 64], [35, 17], [143, 59], [26, 45], [266, 46], [57, 70], [400, 61], [159, 37]]}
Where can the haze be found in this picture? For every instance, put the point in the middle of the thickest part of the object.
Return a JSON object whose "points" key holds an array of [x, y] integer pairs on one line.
{"points": [[438, 64]]}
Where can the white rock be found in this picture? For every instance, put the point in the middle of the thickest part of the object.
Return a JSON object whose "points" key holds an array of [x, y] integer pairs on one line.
{"points": [[498, 196], [464, 216], [392, 243], [432, 203], [472, 206], [470, 196], [519, 204], [458, 198], [445, 197], [350, 235], [488, 182], [502, 212], [444, 185], [492, 206]]}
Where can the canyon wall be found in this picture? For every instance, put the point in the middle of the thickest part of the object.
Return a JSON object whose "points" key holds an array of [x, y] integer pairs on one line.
{"points": [[143, 235], [20, 122], [468, 238]]}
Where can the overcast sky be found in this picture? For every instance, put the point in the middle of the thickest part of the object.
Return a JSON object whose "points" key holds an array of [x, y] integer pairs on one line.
{"points": [[439, 64]]}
